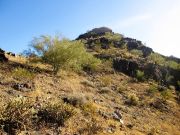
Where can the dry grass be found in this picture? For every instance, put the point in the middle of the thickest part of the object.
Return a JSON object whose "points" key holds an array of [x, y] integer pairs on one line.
{"points": [[143, 118]]}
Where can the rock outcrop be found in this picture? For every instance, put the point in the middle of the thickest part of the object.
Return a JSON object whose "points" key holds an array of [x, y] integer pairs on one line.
{"points": [[136, 44], [2, 56], [97, 37], [128, 67], [151, 70]]}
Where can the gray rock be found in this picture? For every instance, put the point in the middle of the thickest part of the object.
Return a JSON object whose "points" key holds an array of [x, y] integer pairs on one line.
{"points": [[2, 56], [24, 87], [117, 116]]}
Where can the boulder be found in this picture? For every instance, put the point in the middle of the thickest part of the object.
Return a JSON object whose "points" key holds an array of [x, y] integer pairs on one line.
{"points": [[104, 43], [24, 87], [118, 116], [145, 50], [2, 56], [11, 54], [138, 45], [132, 45], [128, 67], [2, 51]]}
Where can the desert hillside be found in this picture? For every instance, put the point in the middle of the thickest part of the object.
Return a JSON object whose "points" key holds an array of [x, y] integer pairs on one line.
{"points": [[112, 84]]}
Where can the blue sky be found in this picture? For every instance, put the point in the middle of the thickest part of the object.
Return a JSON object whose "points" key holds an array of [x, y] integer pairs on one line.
{"points": [[155, 22]]}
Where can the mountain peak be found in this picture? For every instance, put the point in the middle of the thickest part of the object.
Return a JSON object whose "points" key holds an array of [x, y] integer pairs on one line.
{"points": [[101, 30]]}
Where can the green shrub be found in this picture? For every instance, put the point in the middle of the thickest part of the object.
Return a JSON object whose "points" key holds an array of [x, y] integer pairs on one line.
{"points": [[136, 52], [166, 94], [89, 108], [133, 100], [90, 62], [113, 36], [61, 53], [121, 88], [140, 75], [160, 60], [22, 74], [153, 89], [172, 64], [157, 58]]}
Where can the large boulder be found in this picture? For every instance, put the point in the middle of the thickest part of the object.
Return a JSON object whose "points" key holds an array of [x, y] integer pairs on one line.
{"points": [[155, 72], [11, 54], [145, 50], [2, 51], [128, 67], [2, 56], [104, 43]]}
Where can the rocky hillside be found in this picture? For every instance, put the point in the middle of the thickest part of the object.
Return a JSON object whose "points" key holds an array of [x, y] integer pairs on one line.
{"points": [[130, 55], [135, 91]]}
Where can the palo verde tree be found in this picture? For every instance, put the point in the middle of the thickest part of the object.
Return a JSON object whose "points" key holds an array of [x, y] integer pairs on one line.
{"points": [[63, 53]]}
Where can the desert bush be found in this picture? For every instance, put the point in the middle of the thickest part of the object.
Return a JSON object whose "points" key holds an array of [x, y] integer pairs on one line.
{"points": [[106, 81], [153, 89], [22, 114], [140, 75], [172, 64], [61, 53], [121, 88], [90, 62], [54, 113], [16, 115], [133, 100], [22, 74], [89, 108], [157, 58], [92, 127], [113, 36], [166, 94], [75, 100], [160, 60], [136, 52]]}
